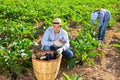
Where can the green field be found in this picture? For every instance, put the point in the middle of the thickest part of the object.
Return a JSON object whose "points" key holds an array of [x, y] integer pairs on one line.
{"points": [[17, 28]]}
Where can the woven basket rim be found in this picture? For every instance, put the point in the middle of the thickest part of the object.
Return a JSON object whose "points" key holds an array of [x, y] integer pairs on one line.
{"points": [[48, 60], [43, 51]]}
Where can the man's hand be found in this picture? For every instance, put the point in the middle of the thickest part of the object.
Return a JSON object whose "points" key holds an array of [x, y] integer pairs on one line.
{"points": [[58, 43], [60, 50]]}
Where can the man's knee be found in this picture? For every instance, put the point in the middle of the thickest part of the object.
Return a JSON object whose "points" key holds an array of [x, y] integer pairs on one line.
{"points": [[68, 53]]}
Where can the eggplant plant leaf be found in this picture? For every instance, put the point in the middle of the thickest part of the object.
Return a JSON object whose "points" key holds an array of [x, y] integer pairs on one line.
{"points": [[92, 54], [71, 64]]}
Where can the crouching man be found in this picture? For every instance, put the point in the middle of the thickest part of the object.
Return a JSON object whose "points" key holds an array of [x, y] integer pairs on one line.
{"points": [[56, 38]]}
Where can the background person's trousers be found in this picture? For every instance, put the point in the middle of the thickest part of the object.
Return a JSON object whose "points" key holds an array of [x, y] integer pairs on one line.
{"points": [[102, 30]]}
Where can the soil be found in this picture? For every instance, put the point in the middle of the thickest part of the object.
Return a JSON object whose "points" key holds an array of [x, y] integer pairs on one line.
{"points": [[106, 68]]}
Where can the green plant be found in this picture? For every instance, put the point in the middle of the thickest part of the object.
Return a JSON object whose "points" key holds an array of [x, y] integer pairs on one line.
{"points": [[16, 58], [67, 77], [117, 45], [84, 47]]}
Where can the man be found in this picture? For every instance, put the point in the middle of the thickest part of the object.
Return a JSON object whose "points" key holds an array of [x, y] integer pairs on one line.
{"points": [[56, 38], [103, 16]]}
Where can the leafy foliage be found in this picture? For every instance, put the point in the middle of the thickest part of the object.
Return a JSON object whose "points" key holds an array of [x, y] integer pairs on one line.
{"points": [[16, 57], [67, 77], [84, 47], [117, 45], [18, 17]]}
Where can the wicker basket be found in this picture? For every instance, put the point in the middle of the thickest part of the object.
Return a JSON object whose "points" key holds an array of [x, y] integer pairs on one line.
{"points": [[46, 70]]}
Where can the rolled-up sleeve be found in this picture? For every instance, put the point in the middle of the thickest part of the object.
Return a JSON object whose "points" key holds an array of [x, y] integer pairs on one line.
{"points": [[45, 39]]}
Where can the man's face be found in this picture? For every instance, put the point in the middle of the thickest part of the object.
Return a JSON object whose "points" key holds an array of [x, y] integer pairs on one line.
{"points": [[57, 28]]}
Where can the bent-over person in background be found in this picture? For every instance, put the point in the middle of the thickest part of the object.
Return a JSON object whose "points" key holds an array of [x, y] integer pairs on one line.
{"points": [[103, 17]]}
